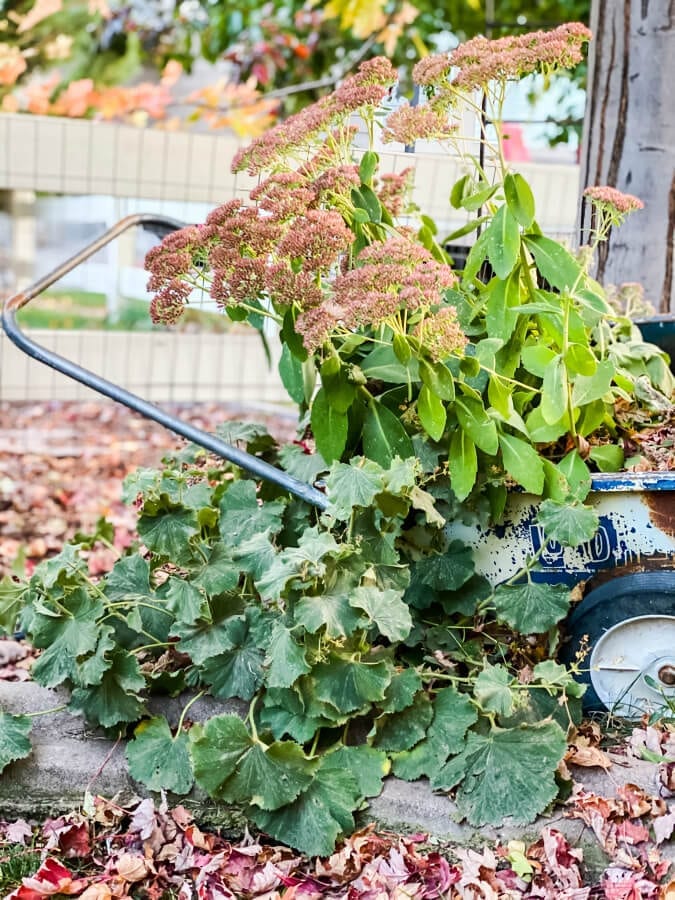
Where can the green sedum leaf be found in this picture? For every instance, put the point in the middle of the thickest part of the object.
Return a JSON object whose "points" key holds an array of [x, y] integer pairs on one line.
{"points": [[432, 413], [329, 428], [477, 424], [158, 759], [519, 199], [555, 263], [507, 772], [531, 608], [462, 464], [503, 242], [14, 741], [522, 462], [384, 437]]}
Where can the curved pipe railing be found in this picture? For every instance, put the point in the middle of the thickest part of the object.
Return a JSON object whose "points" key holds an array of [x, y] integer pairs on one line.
{"points": [[160, 225]]}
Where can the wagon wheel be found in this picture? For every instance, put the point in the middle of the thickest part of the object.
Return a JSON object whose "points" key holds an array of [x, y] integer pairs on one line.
{"points": [[630, 625]]}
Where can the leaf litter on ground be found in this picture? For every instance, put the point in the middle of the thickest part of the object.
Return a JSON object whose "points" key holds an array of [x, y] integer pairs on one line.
{"points": [[152, 850]]}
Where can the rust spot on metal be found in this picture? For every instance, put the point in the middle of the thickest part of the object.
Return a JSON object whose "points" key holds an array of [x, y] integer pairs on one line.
{"points": [[667, 675], [661, 506]]}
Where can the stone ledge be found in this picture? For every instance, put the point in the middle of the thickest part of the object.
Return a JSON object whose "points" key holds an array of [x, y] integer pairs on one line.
{"points": [[69, 759]]}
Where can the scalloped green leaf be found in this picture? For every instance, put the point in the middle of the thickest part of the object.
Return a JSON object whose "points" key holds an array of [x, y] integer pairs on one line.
{"points": [[269, 777], [454, 714], [159, 760], [241, 516], [63, 637], [183, 600], [446, 571], [385, 609], [216, 748], [238, 671], [506, 772], [349, 684], [401, 690], [531, 608], [313, 822], [209, 636], [14, 738], [168, 533], [115, 699], [353, 484], [570, 524], [330, 609], [493, 690], [402, 730], [286, 660]]}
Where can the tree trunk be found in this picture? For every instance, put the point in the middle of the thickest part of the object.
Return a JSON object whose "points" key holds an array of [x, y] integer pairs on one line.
{"points": [[629, 138]]}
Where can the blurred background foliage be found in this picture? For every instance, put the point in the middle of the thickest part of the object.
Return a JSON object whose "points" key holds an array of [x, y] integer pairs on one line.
{"points": [[293, 50]]}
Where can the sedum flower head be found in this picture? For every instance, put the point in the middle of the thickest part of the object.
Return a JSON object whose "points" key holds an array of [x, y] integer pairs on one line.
{"points": [[612, 200], [441, 335], [390, 276], [479, 61], [366, 88], [408, 124]]}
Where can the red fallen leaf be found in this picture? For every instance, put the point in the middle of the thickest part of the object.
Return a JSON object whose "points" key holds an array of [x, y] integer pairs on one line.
{"points": [[51, 878], [17, 832], [622, 884], [71, 837], [632, 832], [636, 801]]}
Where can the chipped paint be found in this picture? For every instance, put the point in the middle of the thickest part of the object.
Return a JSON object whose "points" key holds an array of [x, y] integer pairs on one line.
{"points": [[636, 523]]}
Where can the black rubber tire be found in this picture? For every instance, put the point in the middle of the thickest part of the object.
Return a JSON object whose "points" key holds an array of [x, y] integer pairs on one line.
{"points": [[625, 597]]}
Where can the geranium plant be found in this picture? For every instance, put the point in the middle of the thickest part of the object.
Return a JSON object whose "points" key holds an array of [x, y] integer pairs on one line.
{"points": [[362, 637]]}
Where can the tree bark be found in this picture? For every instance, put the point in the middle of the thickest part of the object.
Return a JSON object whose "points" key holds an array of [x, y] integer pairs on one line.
{"points": [[629, 139]]}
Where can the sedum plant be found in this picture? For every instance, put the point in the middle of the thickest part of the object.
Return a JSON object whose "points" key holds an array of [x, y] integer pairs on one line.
{"points": [[360, 640]]}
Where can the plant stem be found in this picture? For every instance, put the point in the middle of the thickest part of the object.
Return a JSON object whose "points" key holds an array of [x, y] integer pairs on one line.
{"points": [[46, 712], [187, 706]]}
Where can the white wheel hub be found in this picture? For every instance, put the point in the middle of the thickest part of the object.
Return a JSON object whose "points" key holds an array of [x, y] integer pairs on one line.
{"points": [[633, 666]]}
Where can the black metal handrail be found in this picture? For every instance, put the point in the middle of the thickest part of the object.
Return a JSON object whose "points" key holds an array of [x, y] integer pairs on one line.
{"points": [[159, 225]]}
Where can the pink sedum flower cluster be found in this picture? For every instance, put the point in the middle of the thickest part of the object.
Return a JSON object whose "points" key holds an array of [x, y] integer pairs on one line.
{"points": [[610, 198], [367, 88], [389, 276], [480, 61]]}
